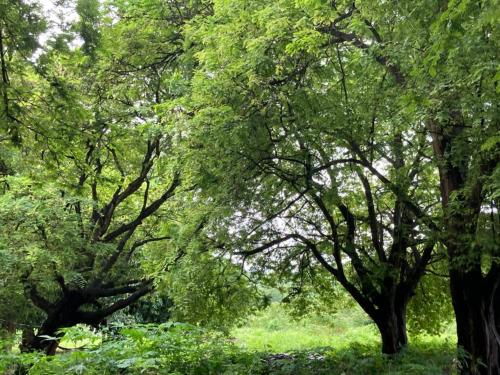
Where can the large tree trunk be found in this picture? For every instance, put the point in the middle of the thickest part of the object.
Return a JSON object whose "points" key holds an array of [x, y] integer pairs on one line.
{"points": [[474, 297], [391, 323], [39, 342], [472, 293], [477, 333], [64, 314]]}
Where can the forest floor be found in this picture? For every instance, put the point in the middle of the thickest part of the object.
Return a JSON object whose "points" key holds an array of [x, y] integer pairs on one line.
{"points": [[269, 343]]}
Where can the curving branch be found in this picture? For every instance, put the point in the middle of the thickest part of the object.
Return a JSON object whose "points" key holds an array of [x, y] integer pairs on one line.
{"points": [[111, 292], [145, 212], [268, 245], [106, 215], [96, 317], [372, 217]]}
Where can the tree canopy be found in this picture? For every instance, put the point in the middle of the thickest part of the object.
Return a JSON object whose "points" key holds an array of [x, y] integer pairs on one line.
{"points": [[201, 151]]}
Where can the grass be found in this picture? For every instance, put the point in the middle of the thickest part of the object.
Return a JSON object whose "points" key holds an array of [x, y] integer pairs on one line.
{"points": [[274, 331], [346, 343]]}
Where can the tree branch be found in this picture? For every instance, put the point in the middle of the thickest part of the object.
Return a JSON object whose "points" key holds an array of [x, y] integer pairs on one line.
{"points": [[95, 317], [146, 212]]}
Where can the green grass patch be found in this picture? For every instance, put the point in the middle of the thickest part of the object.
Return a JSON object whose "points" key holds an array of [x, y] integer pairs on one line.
{"points": [[273, 330]]}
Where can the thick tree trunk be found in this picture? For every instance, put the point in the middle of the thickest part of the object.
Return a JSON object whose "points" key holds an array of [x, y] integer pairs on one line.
{"points": [[472, 293], [477, 333], [40, 343], [391, 322], [65, 314]]}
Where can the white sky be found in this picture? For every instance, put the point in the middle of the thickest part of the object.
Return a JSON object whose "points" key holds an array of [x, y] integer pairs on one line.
{"points": [[59, 13]]}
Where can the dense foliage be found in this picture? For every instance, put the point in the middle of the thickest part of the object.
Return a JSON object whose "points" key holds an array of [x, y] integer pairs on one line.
{"points": [[193, 160]]}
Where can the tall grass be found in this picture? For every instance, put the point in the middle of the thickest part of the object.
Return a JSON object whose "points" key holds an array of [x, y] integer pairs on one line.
{"points": [[273, 330]]}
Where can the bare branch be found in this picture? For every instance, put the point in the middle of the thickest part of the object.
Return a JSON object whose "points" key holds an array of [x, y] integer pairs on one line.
{"points": [[372, 217]]}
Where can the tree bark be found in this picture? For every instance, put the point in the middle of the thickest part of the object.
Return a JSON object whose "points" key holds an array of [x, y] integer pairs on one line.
{"points": [[38, 342], [67, 312], [391, 323], [477, 333], [472, 292]]}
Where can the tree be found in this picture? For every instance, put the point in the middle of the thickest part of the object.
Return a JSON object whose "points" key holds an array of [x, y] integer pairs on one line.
{"points": [[359, 138], [438, 83], [448, 69], [20, 25], [274, 105], [77, 217], [95, 218], [76, 251]]}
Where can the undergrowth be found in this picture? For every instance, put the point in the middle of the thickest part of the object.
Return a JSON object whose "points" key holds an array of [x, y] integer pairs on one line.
{"points": [[270, 344]]}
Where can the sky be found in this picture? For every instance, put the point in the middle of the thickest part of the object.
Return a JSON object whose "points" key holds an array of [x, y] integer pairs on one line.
{"points": [[59, 13]]}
